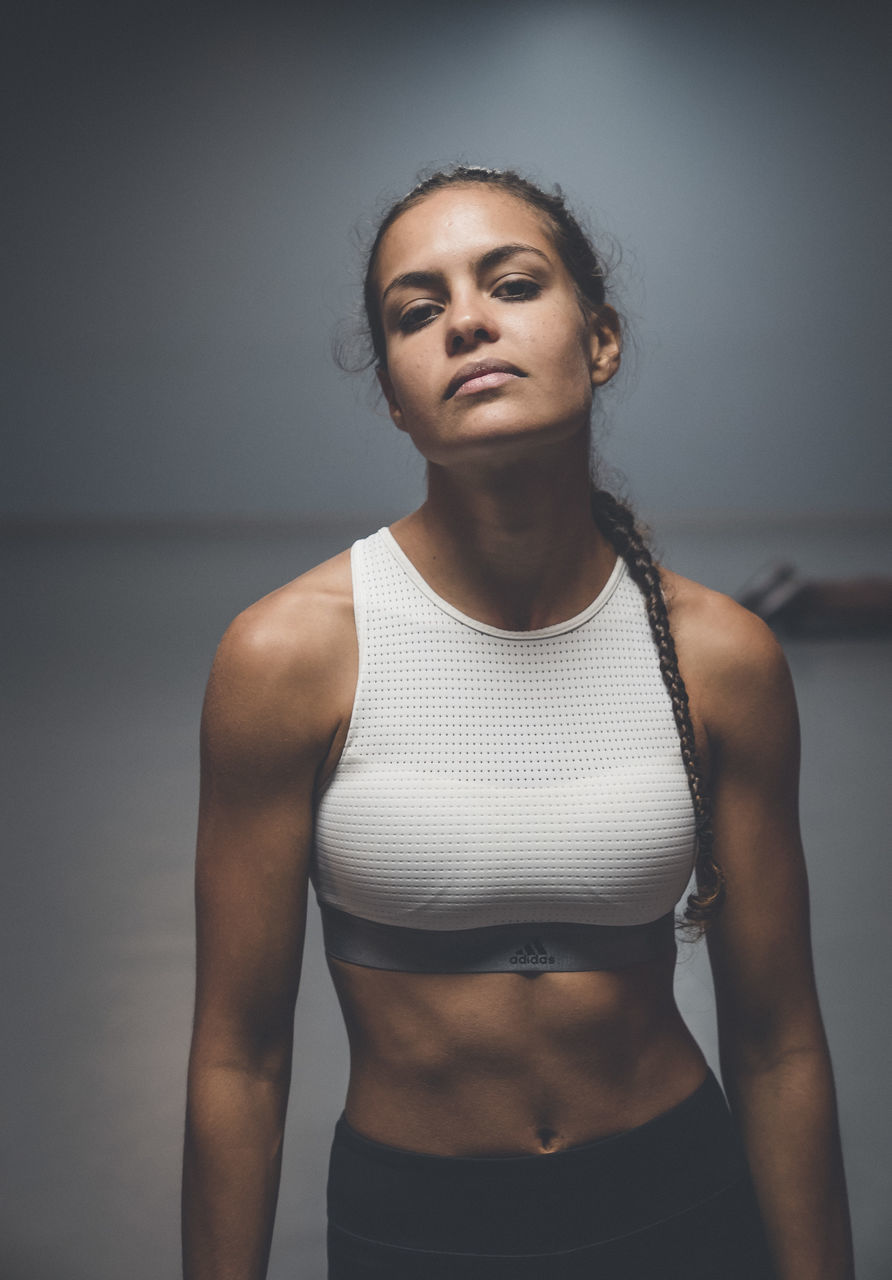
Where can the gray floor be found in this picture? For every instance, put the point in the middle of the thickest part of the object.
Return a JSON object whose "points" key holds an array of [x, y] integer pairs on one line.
{"points": [[109, 639]]}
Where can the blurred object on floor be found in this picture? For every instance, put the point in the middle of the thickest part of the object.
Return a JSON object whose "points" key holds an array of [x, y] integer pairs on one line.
{"points": [[845, 608]]}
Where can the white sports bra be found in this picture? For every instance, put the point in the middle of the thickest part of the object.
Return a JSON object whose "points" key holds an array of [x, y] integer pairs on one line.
{"points": [[505, 800]]}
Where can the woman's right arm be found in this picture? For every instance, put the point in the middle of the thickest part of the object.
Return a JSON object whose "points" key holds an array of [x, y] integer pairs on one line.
{"points": [[268, 724]]}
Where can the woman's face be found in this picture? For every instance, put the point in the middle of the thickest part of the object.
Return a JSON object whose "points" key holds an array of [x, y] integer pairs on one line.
{"points": [[489, 352]]}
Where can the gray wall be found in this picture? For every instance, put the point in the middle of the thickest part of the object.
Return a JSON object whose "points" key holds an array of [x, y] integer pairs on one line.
{"points": [[190, 181]]}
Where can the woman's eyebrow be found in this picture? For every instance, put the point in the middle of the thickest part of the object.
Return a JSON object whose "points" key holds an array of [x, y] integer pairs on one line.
{"points": [[416, 280], [436, 279], [495, 257]]}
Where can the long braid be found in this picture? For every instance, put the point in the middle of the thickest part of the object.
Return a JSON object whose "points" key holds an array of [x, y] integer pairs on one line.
{"points": [[617, 523]]}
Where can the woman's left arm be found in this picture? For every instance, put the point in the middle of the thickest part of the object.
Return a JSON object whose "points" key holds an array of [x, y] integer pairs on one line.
{"points": [[774, 1056]]}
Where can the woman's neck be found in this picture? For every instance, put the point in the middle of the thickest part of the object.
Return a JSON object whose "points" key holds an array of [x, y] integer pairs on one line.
{"points": [[517, 550]]}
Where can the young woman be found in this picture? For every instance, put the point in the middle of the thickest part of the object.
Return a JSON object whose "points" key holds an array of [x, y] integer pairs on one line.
{"points": [[499, 738]]}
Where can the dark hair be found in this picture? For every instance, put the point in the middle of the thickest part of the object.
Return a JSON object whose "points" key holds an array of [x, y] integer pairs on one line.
{"points": [[613, 518], [617, 523]]}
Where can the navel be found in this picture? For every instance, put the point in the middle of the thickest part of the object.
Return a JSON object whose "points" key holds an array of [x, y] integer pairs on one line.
{"points": [[547, 1138]]}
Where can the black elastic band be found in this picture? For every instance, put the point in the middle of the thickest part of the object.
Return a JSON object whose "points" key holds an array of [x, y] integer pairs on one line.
{"points": [[499, 948]]}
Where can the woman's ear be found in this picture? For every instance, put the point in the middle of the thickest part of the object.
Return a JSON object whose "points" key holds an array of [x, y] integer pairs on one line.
{"points": [[386, 385], [605, 345]]}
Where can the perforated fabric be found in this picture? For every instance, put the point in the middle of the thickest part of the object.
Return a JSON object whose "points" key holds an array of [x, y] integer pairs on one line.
{"points": [[496, 777]]}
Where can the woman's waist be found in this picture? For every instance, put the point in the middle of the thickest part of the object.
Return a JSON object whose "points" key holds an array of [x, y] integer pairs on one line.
{"points": [[498, 1116], [473, 1064]]}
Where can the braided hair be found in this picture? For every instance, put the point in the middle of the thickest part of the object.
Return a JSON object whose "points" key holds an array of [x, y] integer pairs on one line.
{"points": [[617, 523], [614, 520]]}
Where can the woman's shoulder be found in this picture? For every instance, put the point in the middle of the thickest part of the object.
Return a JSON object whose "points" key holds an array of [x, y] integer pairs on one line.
{"points": [[290, 654], [299, 621], [724, 650]]}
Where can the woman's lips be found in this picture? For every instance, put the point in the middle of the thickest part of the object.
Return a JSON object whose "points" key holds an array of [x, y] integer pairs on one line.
{"points": [[484, 381], [481, 375]]}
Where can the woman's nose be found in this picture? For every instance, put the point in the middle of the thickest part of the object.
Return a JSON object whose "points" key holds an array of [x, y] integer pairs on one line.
{"points": [[471, 324]]}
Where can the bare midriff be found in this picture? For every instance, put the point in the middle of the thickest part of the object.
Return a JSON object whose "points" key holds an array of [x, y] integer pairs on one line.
{"points": [[504, 1064]]}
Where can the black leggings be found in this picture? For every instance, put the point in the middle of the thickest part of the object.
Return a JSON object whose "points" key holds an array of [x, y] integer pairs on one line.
{"points": [[671, 1198]]}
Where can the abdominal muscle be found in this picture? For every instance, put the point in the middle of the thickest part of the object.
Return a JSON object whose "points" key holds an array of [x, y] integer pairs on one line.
{"points": [[504, 1064]]}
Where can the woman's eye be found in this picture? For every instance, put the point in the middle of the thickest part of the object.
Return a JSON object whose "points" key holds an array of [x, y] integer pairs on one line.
{"points": [[417, 317], [519, 288]]}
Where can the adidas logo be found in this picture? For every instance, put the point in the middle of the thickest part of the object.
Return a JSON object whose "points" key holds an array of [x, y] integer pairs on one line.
{"points": [[532, 953]]}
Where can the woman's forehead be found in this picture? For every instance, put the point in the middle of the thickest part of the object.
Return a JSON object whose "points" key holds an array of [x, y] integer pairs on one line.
{"points": [[456, 225]]}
